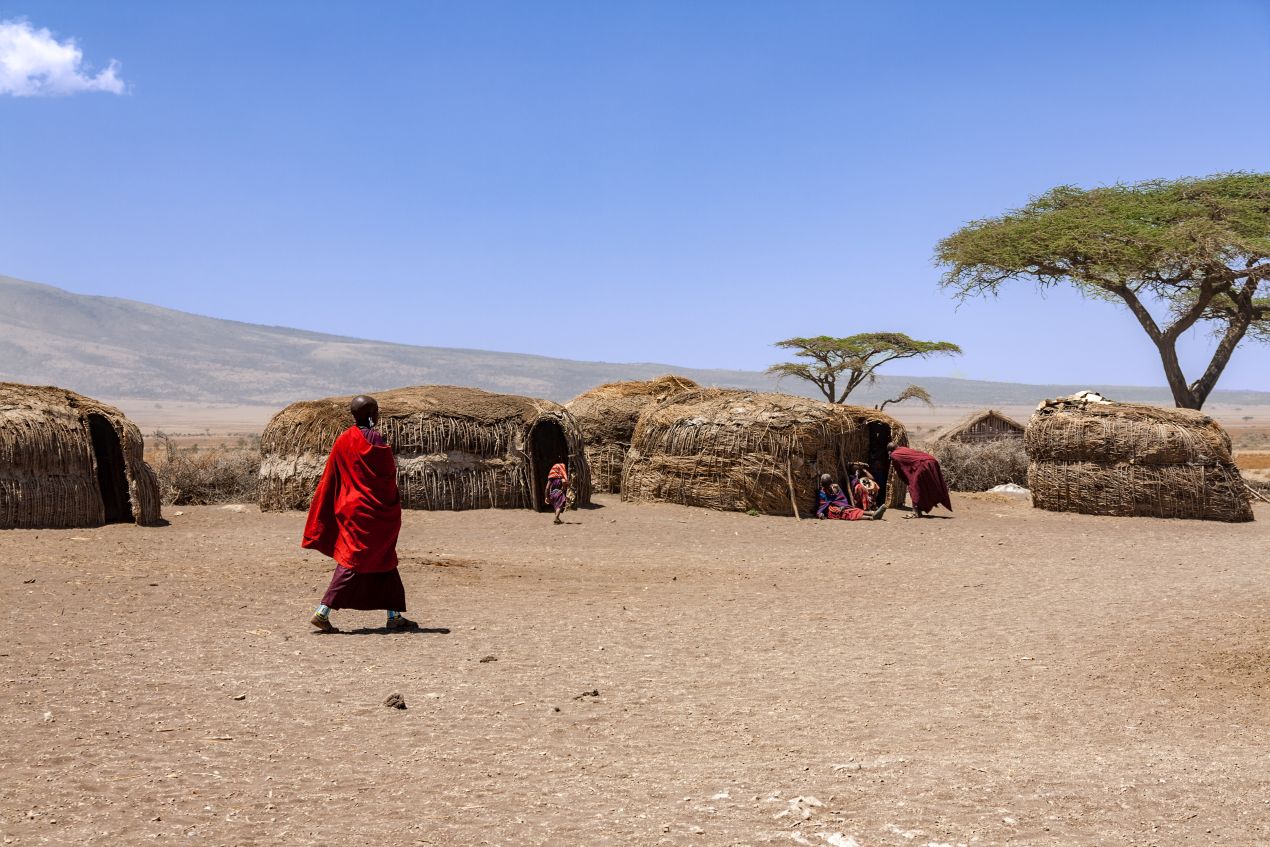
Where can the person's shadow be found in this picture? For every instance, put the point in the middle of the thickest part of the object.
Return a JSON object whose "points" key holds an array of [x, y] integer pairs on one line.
{"points": [[379, 630]]}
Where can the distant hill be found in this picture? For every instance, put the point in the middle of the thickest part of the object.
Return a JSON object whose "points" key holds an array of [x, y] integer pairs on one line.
{"points": [[111, 348]]}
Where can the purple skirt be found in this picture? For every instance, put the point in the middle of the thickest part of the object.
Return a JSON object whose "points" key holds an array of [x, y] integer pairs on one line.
{"points": [[352, 590]]}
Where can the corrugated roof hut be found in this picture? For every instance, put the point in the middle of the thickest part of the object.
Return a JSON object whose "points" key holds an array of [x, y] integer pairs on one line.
{"points": [[608, 415], [985, 425], [456, 448], [739, 450], [67, 460], [1086, 454]]}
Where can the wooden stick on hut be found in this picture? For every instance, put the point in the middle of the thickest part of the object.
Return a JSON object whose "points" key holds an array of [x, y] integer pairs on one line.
{"points": [[789, 477]]}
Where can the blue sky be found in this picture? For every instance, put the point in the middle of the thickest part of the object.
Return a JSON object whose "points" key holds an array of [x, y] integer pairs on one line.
{"points": [[675, 182]]}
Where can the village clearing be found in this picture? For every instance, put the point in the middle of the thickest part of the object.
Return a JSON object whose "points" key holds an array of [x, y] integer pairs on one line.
{"points": [[644, 675]]}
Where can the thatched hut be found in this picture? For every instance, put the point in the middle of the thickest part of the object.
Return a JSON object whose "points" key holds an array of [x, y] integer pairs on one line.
{"points": [[69, 461], [1086, 454], [608, 415], [456, 448], [982, 426], [741, 450]]}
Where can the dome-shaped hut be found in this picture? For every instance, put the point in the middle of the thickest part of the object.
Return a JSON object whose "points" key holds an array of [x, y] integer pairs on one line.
{"points": [[1086, 454], [740, 450], [456, 448], [979, 428], [608, 415], [67, 460]]}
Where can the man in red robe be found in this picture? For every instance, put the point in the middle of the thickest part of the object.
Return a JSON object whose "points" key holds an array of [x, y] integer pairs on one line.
{"points": [[355, 518], [920, 471]]}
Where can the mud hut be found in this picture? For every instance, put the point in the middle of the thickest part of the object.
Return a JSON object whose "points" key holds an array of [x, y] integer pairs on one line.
{"points": [[67, 460], [608, 415], [1087, 454], [740, 450], [456, 448], [982, 426]]}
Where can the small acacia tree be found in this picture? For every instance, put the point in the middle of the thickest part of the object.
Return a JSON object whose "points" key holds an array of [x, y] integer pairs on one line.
{"points": [[838, 366], [1196, 249]]}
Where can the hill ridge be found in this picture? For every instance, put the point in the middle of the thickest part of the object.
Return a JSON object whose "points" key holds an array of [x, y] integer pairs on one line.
{"points": [[111, 347]]}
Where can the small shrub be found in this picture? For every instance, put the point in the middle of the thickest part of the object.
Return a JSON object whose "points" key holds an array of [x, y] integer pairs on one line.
{"points": [[195, 477], [981, 466]]}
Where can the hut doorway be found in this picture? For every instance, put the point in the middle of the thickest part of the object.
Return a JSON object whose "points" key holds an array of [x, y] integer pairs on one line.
{"points": [[547, 446], [111, 479], [879, 459]]}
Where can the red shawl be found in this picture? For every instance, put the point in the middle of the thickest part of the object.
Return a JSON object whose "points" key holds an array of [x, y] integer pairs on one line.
{"points": [[925, 480], [355, 515]]}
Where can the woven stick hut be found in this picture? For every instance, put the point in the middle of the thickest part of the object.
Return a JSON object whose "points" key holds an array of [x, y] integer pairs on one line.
{"points": [[741, 450], [985, 425], [67, 460], [456, 448], [608, 415], [1086, 454]]}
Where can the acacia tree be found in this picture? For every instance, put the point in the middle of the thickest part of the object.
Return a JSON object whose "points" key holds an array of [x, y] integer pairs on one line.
{"points": [[838, 366], [913, 392], [1196, 250]]}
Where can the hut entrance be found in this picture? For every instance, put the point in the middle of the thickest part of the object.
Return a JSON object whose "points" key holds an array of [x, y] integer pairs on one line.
{"points": [[547, 446], [111, 479], [879, 459]]}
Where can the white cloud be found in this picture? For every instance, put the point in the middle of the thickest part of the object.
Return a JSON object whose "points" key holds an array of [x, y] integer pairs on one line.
{"points": [[33, 64]]}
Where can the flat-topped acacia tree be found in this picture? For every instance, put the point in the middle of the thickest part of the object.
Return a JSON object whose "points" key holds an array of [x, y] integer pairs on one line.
{"points": [[1197, 251], [838, 366]]}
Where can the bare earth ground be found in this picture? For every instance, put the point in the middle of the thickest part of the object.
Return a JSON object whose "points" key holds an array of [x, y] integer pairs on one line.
{"points": [[1005, 676]]}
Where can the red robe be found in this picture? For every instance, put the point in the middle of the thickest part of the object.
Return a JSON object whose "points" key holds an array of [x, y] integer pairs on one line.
{"points": [[355, 515], [925, 480]]}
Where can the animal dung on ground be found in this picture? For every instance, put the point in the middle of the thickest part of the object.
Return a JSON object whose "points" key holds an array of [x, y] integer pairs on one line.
{"points": [[608, 415], [742, 450], [395, 701], [70, 461], [1088, 454], [456, 448]]}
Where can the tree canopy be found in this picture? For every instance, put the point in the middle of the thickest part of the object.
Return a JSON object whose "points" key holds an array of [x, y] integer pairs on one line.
{"points": [[1195, 250], [838, 366]]}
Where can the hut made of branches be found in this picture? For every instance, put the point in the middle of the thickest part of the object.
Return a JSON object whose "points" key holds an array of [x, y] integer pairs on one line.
{"points": [[741, 450], [985, 425], [1086, 454], [67, 460], [456, 448], [608, 415]]}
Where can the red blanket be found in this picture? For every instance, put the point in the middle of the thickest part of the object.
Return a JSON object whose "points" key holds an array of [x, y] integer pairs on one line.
{"points": [[925, 480], [355, 515]]}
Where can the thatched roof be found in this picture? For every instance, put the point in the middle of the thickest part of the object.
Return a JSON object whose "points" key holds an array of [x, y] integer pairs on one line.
{"points": [[49, 470], [964, 429], [608, 414], [739, 450], [1087, 454], [456, 447]]}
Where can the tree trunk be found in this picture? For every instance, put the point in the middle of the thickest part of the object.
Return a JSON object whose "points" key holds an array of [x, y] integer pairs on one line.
{"points": [[1183, 396]]}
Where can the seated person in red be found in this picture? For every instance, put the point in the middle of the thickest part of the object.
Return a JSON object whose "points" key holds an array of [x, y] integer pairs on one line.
{"points": [[833, 504], [920, 472], [355, 518], [864, 488]]}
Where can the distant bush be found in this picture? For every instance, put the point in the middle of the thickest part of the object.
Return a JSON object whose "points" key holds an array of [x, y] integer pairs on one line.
{"points": [[194, 477], [979, 467]]}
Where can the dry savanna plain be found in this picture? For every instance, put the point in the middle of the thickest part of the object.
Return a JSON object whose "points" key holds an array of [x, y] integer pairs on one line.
{"points": [[644, 675]]}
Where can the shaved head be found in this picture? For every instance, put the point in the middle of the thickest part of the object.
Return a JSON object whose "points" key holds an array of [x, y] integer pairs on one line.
{"points": [[365, 410]]}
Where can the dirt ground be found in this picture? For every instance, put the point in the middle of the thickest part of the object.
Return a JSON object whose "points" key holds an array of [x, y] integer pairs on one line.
{"points": [[644, 675]]}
